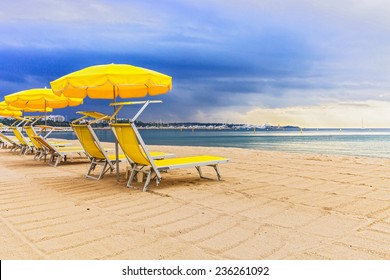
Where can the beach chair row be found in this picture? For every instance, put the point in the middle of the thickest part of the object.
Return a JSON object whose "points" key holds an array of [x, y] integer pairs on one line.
{"points": [[135, 152]]}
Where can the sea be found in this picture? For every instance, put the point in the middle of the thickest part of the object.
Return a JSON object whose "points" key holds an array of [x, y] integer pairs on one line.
{"points": [[351, 142]]}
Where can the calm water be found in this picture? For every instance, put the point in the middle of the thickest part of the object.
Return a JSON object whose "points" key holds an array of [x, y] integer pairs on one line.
{"points": [[357, 142]]}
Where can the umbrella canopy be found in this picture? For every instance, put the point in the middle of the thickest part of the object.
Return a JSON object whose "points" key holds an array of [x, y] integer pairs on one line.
{"points": [[41, 99], [112, 80], [5, 106], [10, 113]]}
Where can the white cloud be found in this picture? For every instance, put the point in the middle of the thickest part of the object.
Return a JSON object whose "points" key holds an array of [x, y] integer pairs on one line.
{"points": [[76, 24], [300, 53], [333, 115], [68, 11]]}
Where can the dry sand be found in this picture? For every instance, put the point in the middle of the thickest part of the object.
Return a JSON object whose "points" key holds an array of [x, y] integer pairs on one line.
{"points": [[270, 205]]}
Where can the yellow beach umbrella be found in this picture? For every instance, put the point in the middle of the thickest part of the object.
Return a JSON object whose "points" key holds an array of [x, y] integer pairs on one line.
{"points": [[40, 98], [5, 106], [10, 113], [112, 80], [41, 110]]}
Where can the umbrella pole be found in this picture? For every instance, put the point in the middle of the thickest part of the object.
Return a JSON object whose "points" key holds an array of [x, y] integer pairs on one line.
{"points": [[45, 118], [116, 142], [45, 114]]}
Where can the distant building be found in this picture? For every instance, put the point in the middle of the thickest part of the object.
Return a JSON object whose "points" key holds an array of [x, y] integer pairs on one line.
{"points": [[56, 118]]}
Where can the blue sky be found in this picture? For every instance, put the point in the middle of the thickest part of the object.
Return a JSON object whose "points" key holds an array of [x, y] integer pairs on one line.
{"points": [[308, 63]]}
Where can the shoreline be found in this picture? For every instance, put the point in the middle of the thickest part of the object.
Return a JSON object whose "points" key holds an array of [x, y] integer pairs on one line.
{"points": [[368, 144], [270, 205]]}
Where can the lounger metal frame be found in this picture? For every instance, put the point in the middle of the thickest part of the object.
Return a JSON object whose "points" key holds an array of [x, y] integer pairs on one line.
{"points": [[9, 141], [106, 163], [152, 168], [39, 151], [57, 154], [25, 145]]}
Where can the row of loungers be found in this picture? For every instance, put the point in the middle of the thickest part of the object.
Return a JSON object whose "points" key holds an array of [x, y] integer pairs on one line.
{"points": [[130, 141], [29, 144]]}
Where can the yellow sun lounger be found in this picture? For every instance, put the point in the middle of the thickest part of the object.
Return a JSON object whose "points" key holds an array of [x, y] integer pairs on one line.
{"points": [[10, 141], [40, 152], [98, 154], [95, 151], [26, 145], [135, 149], [17, 141], [57, 154]]}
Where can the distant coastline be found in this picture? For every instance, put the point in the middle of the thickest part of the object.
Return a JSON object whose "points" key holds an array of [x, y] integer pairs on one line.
{"points": [[210, 126], [216, 126], [176, 125]]}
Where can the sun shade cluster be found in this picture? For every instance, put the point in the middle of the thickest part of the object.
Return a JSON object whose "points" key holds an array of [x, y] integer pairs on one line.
{"points": [[98, 82]]}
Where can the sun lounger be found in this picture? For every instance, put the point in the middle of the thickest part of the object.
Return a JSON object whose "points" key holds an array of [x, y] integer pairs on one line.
{"points": [[10, 141], [17, 141], [3, 141], [26, 145], [135, 149], [95, 151], [57, 154], [40, 152], [98, 154]]}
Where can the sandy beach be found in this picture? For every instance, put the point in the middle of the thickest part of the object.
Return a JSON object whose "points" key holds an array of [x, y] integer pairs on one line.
{"points": [[270, 205]]}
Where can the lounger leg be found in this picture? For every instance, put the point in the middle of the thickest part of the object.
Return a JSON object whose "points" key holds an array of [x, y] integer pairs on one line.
{"points": [[58, 160], [44, 155], [157, 180], [17, 148], [147, 180], [200, 172], [104, 170], [37, 153], [105, 167], [217, 170], [132, 175], [51, 159], [90, 169]]}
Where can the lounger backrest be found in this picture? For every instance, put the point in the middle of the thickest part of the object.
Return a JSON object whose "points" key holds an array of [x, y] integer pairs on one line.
{"points": [[44, 143], [6, 138], [129, 143], [88, 141], [30, 133], [19, 135]]}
